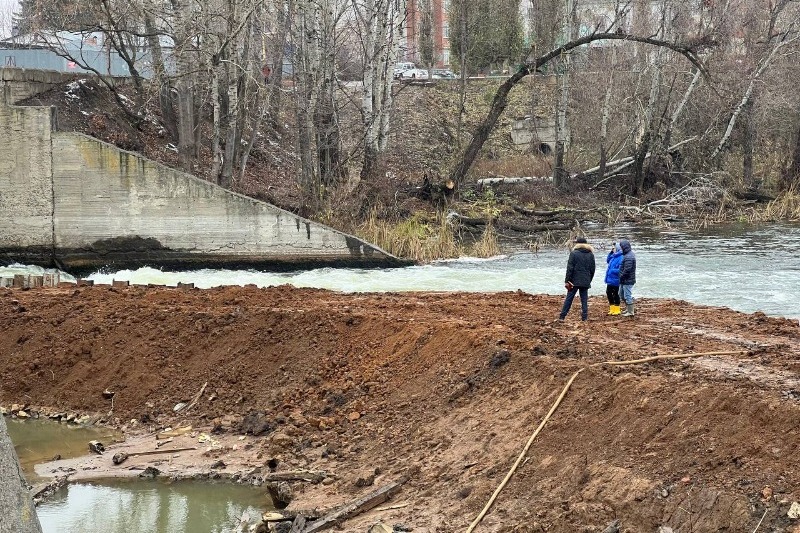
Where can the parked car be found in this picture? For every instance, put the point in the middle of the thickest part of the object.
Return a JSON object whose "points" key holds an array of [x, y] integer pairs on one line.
{"points": [[414, 74], [442, 74], [401, 67]]}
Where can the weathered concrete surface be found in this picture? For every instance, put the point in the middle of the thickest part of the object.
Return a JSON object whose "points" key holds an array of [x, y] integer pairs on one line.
{"points": [[21, 83], [26, 197], [17, 514], [69, 200]]}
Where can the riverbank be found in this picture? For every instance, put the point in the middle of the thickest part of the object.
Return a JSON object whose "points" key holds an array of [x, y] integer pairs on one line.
{"points": [[443, 388]]}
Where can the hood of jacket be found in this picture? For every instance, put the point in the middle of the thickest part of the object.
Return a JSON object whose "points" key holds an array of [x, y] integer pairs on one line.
{"points": [[583, 247], [625, 246]]}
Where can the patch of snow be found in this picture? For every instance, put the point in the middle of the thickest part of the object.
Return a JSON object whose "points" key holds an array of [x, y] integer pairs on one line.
{"points": [[172, 147]]}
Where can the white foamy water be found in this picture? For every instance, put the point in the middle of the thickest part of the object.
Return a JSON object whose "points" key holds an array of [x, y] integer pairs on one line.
{"points": [[746, 269]]}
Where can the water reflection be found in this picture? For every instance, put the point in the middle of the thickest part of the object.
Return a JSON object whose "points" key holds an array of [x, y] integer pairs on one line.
{"points": [[149, 507]]}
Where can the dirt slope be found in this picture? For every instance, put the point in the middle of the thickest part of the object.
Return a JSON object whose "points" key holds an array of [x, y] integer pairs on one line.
{"points": [[446, 388]]}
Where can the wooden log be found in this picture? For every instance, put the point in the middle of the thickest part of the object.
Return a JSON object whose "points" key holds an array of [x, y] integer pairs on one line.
{"points": [[500, 223], [499, 180], [296, 475], [299, 524], [361, 505]]}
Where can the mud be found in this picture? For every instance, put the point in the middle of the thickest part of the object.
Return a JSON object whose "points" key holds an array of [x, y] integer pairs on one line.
{"points": [[445, 388]]}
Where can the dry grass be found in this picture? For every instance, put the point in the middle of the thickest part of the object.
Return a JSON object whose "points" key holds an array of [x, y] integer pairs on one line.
{"points": [[413, 238], [487, 245], [785, 207]]}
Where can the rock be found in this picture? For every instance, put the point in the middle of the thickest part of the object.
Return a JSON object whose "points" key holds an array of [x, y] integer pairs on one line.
{"points": [[458, 391], [56, 457], [766, 493], [380, 528], [298, 419], [84, 420], [500, 358], [96, 446], [665, 529], [16, 407], [794, 511], [272, 516], [150, 472], [327, 422], [180, 406], [119, 458], [664, 493], [218, 464], [328, 481], [355, 415], [3, 411], [22, 414], [613, 527], [281, 439], [365, 480], [281, 494], [402, 527]]}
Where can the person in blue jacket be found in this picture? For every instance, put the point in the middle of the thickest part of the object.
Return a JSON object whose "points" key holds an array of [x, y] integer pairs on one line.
{"points": [[627, 276], [614, 261]]}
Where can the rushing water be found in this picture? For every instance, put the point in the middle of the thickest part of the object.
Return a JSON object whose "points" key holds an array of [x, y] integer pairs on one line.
{"points": [[743, 267], [124, 506]]}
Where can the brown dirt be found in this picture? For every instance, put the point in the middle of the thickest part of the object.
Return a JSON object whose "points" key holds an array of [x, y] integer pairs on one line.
{"points": [[690, 444]]}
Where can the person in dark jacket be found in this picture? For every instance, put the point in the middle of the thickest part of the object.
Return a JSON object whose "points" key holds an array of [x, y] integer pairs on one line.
{"points": [[627, 276], [614, 261], [580, 272]]}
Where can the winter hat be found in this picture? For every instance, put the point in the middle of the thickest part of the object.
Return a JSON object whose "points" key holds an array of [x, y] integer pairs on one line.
{"points": [[581, 240]]}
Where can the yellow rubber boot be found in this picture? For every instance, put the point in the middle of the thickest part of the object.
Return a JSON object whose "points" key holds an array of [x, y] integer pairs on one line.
{"points": [[615, 310]]}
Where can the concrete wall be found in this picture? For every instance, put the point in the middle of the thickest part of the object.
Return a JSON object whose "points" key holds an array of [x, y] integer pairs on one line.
{"points": [[76, 202], [26, 195], [19, 83]]}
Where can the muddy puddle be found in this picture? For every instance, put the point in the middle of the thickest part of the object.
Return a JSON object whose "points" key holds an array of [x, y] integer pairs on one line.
{"points": [[149, 507], [122, 506]]}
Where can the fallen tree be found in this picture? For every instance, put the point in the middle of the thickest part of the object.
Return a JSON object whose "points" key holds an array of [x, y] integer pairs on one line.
{"points": [[500, 100]]}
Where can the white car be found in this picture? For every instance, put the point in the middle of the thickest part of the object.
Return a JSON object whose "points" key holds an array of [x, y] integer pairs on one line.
{"points": [[414, 74], [402, 67]]}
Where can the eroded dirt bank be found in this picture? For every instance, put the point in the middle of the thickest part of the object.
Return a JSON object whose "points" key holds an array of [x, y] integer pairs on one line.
{"points": [[445, 388]]}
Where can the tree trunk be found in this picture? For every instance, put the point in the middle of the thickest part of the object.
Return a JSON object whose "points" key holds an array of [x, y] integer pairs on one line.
{"points": [[791, 177], [559, 173], [747, 145], [500, 100], [168, 117], [462, 84], [16, 507]]}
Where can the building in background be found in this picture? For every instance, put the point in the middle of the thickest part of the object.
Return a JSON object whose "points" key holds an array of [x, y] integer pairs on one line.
{"points": [[441, 33]]}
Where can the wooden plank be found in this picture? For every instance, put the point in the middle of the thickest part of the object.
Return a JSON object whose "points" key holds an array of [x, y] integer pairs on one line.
{"points": [[361, 505]]}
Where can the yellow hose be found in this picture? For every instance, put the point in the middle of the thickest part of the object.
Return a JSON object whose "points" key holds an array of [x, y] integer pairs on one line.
{"points": [[522, 455]]}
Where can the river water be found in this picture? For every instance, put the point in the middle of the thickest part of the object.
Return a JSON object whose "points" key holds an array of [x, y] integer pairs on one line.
{"points": [[124, 506], [742, 267]]}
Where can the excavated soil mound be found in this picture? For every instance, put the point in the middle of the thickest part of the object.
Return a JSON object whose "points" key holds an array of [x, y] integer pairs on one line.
{"points": [[445, 388]]}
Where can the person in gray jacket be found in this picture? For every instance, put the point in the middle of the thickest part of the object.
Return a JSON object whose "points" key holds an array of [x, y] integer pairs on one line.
{"points": [[627, 277]]}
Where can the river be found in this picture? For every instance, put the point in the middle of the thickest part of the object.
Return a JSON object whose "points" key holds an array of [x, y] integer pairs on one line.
{"points": [[745, 268]]}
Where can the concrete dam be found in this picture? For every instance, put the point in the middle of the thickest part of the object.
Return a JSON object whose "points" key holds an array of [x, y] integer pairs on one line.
{"points": [[73, 202]]}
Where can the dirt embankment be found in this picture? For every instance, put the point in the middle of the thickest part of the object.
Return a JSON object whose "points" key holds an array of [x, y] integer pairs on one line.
{"points": [[445, 388]]}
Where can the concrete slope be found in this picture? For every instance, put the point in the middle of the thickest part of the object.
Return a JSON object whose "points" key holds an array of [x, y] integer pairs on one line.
{"points": [[70, 200]]}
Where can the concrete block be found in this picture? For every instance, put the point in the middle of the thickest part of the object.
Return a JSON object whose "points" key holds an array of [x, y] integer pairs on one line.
{"points": [[36, 281], [20, 281], [6, 282], [85, 282], [51, 279], [185, 286], [120, 283]]}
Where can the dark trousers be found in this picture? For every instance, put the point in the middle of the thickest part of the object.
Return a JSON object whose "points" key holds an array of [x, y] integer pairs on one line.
{"points": [[612, 292], [584, 292]]}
